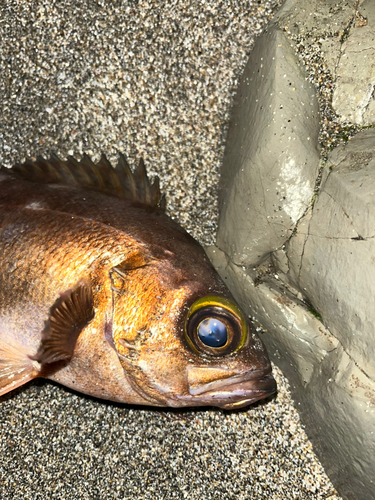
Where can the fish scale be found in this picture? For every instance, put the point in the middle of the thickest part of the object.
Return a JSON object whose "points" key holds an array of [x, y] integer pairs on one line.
{"points": [[102, 292]]}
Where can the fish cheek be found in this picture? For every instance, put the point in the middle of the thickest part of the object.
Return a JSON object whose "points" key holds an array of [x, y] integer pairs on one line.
{"points": [[158, 375], [154, 366], [147, 335], [166, 363], [134, 293]]}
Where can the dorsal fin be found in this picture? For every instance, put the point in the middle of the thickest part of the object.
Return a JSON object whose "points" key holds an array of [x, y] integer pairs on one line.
{"points": [[101, 176]]}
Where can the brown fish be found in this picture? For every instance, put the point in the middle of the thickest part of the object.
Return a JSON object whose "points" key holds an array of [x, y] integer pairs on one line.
{"points": [[102, 292]]}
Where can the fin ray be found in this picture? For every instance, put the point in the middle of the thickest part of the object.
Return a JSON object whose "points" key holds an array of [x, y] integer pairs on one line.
{"points": [[16, 368], [117, 181], [69, 315]]}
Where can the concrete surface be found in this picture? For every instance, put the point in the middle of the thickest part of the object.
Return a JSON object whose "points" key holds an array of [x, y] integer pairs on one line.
{"points": [[308, 279]]}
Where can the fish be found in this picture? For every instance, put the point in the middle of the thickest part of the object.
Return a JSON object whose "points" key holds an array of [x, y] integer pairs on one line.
{"points": [[101, 291]]}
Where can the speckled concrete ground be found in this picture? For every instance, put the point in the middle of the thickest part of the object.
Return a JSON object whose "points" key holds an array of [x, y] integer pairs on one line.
{"points": [[154, 80]]}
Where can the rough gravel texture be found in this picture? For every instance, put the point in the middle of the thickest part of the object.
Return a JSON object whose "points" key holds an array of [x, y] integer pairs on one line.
{"points": [[60, 445], [154, 80]]}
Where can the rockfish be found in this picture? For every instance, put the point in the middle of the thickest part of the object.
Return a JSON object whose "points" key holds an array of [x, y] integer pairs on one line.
{"points": [[102, 292]]}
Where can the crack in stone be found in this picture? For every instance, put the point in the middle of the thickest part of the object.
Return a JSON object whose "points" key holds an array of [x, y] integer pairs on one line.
{"points": [[348, 238], [288, 261], [359, 236], [370, 98], [295, 299], [347, 28], [359, 368], [303, 251], [339, 343], [309, 342], [228, 258], [297, 302], [318, 183]]}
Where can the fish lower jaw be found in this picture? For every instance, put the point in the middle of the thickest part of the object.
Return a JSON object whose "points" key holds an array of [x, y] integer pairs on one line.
{"points": [[242, 403], [236, 393]]}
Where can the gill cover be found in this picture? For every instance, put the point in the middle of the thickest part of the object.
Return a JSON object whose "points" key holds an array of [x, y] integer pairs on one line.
{"points": [[215, 326]]}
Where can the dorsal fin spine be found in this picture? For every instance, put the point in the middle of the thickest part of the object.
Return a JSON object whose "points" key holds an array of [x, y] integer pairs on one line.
{"points": [[100, 176]]}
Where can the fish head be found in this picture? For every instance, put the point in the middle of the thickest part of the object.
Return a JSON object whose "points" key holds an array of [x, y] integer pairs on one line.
{"points": [[183, 341]]}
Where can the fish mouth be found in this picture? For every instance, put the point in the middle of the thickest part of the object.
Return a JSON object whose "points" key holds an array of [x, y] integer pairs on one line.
{"points": [[235, 391]]}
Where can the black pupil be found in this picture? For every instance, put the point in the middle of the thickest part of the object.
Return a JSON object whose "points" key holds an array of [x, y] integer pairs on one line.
{"points": [[212, 332]]}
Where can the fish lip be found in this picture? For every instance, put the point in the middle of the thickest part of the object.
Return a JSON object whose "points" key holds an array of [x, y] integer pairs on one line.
{"points": [[237, 391], [266, 387]]}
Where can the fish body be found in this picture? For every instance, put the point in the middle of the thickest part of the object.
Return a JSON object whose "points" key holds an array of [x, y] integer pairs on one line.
{"points": [[102, 292]]}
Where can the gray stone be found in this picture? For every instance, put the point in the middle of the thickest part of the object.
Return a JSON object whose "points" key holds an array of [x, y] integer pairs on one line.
{"points": [[271, 158], [331, 48], [285, 319], [335, 398], [353, 98], [317, 17], [152, 80], [367, 9], [309, 278], [332, 258], [347, 36]]}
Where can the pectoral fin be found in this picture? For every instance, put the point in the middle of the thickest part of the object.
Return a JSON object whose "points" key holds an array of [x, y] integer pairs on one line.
{"points": [[16, 368], [69, 315]]}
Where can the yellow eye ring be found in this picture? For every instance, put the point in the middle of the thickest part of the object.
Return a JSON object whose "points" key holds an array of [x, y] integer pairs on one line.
{"points": [[215, 326]]}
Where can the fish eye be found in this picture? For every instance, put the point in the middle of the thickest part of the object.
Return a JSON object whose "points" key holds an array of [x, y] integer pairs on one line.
{"points": [[215, 326]]}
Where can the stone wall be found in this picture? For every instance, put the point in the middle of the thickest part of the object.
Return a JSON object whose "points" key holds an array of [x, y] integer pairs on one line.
{"points": [[296, 230]]}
